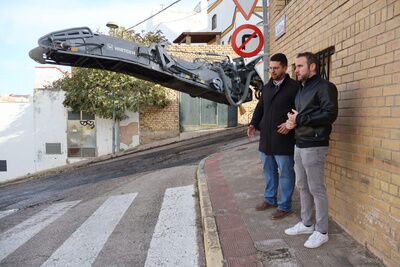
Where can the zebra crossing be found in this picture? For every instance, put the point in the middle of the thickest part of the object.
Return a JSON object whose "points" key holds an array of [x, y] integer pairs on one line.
{"points": [[18, 235], [173, 243], [175, 231], [6, 212]]}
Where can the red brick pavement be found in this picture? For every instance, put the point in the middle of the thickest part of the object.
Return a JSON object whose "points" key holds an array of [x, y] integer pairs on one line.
{"points": [[237, 246]]}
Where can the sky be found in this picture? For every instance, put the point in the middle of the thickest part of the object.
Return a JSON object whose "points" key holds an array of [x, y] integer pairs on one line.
{"points": [[23, 22]]}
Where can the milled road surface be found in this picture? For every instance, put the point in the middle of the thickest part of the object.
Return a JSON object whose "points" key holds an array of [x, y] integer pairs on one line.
{"points": [[140, 209]]}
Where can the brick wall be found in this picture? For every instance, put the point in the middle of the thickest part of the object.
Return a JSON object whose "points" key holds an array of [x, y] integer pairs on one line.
{"points": [[156, 123], [363, 165], [249, 107], [160, 123]]}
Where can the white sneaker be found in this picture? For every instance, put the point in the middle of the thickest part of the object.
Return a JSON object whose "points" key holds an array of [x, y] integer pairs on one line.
{"points": [[316, 239], [300, 229]]}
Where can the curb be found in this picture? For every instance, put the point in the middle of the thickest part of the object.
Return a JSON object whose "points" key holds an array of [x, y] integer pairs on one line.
{"points": [[212, 246], [84, 163]]}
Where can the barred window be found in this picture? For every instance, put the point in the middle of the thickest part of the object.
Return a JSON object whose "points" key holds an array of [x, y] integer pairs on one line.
{"points": [[325, 62], [294, 76]]}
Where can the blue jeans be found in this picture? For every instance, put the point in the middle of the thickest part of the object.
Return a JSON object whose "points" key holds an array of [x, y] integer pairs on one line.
{"points": [[286, 181]]}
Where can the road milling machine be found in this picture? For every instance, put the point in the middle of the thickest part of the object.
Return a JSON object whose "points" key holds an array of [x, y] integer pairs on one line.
{"points": [[228, 81]]}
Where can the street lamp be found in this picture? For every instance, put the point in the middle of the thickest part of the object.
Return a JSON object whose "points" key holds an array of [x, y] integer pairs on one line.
{"points": [[113, 127], [113, 26]]}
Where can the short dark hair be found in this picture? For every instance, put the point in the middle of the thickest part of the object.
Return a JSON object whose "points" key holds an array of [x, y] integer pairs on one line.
{"points": [[311, 57], [280, 58]]}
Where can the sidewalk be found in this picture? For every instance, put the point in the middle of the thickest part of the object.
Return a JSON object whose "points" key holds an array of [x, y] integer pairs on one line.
{"points": [[230, 186]]}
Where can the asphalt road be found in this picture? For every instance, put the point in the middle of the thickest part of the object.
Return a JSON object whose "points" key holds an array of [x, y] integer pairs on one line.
{"points": [[140, 209]]}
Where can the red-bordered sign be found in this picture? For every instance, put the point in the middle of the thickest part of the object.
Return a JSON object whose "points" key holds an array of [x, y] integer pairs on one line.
{"points": [[251, 40], [246, 7]]}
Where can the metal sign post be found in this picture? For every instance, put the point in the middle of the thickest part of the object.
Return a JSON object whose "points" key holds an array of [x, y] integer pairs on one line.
{"points": [[266, 41]]}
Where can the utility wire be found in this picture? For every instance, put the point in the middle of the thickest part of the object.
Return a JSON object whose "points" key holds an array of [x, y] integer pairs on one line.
{"points": [[192, 15], [169, 21], [137, 24]]}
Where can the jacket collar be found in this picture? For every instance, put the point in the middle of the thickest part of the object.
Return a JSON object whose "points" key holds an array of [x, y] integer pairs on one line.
{"points": [[271, 82], [311, 80]]}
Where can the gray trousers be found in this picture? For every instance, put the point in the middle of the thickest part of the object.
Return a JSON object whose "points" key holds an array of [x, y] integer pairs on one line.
{"points": [[309, 168]]}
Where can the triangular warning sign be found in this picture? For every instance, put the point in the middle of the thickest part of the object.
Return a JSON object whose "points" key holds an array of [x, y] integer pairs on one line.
{"points": [[246, 7]]}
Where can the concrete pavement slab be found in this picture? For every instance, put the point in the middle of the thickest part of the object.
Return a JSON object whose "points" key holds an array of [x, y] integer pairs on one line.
{"points": [[251, 238]]}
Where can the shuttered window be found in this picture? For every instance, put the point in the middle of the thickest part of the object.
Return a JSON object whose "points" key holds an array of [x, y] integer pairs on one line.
{"points": [[53, 148]]}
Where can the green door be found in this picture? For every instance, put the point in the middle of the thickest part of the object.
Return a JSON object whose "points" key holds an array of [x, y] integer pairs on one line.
{"points": [[209, 114], [197, 113]]}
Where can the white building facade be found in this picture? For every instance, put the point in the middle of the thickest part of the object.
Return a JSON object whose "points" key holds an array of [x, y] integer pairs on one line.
{"points": [[16, 137], [39, 133], [172, 22], [225, 16]]}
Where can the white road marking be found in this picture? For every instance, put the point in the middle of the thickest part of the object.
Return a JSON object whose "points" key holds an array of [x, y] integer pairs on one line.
{"points": [[21, 233], [5, 213], [174, 241], [83, 246]]}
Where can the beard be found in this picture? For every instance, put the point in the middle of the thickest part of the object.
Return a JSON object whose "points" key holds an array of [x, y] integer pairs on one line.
{"points": [[278, 78], [303, 77]]}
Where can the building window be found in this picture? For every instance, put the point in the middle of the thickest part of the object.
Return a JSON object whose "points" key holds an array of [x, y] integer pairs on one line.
{"points": [[325, 62], [81, 135], [53, 148], [294, 76], [3, 165], [214, 22]]}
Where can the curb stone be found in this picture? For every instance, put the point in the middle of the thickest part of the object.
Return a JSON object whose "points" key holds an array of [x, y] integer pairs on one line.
{"points": [[212, 246]]}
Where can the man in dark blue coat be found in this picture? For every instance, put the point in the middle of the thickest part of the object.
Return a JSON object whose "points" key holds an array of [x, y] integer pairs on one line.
{"points": [[276, 141]]}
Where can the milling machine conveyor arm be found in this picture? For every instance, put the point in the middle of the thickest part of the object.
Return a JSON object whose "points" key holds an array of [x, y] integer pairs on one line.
{"points": [[225, 82]]}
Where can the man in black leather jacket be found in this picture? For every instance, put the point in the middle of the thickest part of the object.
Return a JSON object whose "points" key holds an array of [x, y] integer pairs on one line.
{"points": [[316, 110]]}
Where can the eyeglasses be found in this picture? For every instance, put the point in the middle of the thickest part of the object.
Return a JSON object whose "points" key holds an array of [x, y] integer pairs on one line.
{"points": [[274, 68]]}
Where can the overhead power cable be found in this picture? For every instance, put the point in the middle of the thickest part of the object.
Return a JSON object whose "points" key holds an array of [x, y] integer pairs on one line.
{"points": [[137, 24], [174, 20]]}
